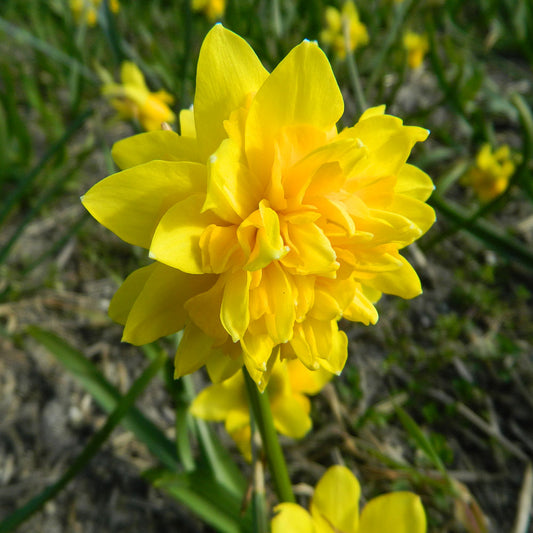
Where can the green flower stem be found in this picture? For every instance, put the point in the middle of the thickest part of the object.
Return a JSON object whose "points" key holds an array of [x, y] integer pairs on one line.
{"points": [[263, 418]]}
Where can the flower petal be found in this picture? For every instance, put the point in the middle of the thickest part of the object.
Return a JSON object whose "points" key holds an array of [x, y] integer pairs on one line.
{"points": [[158, 310], [231, 193], [132, 202], [235, 309], [294, 94], [336, 501], [161, 145], [176, 240], [123, 300], [228, 72], [216, 401], [204, 311], [413, 182], [401, 512], [403, 282], [290, 418], [292, 518], [194, 350]]}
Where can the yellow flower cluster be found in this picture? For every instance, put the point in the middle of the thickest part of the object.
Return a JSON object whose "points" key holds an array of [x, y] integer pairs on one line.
{"points": [[344, 31], [335, 509], [213, 9], [416, 46], [88, 10], [133, 100], [266, 224], [289, 385], [491, 173]]}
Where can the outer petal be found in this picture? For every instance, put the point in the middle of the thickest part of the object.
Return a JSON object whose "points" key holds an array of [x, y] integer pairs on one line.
{"points": [[132, 202], [304, 380], [176, 240], [158, 309], [403, 282], [216, 401], [292, 518], [290, 418], [160, 144], [294, 94], [125, 297], [194, 350], [414, 182], [401, 512], [228, 72], [336, 501]]}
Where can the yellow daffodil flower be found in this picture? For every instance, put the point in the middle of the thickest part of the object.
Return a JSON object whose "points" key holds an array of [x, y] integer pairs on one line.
{"points": [[289, 384], [213, 9], [416, 46], [88, 10], [132, 99], [335, 509], [490, 175], [336, 21], [266, 224]]}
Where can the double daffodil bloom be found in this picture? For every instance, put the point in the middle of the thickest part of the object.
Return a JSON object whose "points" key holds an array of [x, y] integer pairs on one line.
{"points": [[335, 509], [88, 10], [416, 46], [266, 224], [490, 175], [336, 21], [213, 9], [133, 100], [289, 385]]}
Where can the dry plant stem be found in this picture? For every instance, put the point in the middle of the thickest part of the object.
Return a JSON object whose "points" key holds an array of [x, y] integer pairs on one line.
{"points": [[524, 502], [263, 418], [481, 424]]}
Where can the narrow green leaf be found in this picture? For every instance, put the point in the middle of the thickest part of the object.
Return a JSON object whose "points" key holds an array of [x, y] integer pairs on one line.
{"points": [[107, 396], [205, 496], [421, 440], [122, 408]]}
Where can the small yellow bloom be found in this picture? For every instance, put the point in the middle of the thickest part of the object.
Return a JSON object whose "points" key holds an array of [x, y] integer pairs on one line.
{"points": [[289, 384], [133, 100], [88, 10], [416, 46], [266, 225], [490, 175], [213, 9], [335, 509], [339, 22]]}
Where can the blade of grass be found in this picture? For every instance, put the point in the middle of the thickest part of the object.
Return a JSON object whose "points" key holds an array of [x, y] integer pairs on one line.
{"points": [[484, 231], [92, 448], [107, 396], [24, 38], [27, 181], [421, 440], [203, 494]]}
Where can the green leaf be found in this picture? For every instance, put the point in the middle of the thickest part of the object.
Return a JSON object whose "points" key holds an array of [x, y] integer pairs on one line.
{"points": [[421, 440], [205, 496], [107, 396], [122, 408]]}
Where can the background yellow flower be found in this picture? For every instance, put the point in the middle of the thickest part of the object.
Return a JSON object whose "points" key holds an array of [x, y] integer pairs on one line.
{"points": [[335, 508], [416, 46], [289, 385], [133, 100], [491, 173], [337, 22]]}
